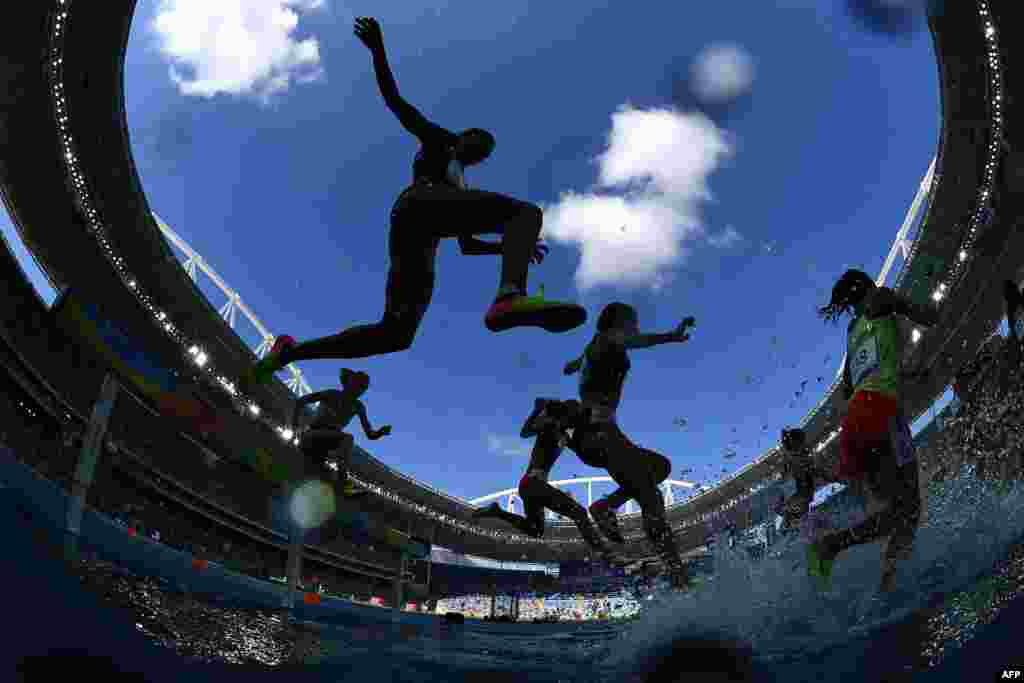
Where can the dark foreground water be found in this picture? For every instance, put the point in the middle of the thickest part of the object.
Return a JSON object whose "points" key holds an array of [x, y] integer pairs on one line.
{"points": [[756, 621]]}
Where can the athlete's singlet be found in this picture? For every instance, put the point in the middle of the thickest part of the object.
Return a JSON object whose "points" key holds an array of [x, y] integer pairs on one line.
{"points": [[335, 411], [435, 162], [874, 355], [601, 377]]}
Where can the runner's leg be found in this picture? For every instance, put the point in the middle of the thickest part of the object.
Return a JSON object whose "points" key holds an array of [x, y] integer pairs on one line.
{"points": [[547, 496], [448, 212], [641, 484], [658, 464], [410, 287]]}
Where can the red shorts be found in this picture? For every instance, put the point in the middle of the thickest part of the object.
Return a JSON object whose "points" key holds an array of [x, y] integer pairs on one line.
{"points": [[871, 422]]}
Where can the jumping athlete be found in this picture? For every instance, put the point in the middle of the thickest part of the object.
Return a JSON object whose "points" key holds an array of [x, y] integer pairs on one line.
{"points": [[599, 442], [875, 446], [549, 422], [437, 205], [325, 439]]}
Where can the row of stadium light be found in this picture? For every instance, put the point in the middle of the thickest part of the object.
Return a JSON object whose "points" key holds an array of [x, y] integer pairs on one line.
{"points": [[977, 221]]}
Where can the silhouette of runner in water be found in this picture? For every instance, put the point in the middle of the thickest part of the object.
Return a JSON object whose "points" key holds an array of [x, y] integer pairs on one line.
{"points": [[876, 449], [599, 442], [549, 422], [435, 206]]}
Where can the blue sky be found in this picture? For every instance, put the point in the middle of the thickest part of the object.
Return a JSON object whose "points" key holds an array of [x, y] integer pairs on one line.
{"points": [[262, 140]]}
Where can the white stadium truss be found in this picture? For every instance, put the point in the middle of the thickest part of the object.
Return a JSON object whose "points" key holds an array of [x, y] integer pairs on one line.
{"points": [[513, 494], [193, 260]]}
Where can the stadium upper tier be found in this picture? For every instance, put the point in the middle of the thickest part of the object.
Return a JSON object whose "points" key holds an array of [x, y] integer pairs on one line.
{"points": [[71, 186]]}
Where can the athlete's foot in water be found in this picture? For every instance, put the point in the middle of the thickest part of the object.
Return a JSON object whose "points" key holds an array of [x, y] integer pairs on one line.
{"points": [[820, 557], [606, 521], [518, 309], [485, 511], [264, 370]]}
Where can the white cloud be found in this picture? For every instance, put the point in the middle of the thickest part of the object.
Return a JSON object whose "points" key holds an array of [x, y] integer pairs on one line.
{"points": [[725, 239], [504, 445], [722, 72], [236, 47], [631, 228]]}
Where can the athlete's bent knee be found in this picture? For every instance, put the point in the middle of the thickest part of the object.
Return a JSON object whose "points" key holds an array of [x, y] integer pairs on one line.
{"points": [[534, 213], [399, 332]]}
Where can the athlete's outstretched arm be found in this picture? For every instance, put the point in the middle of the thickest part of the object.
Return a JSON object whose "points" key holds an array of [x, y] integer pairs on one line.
{"points": [[314, 397], [368, 31], [371, 434], [646, 341]]}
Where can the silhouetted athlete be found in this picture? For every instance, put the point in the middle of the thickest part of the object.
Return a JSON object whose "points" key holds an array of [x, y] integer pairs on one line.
{"points": [[438, 205], [549, 422], [325, 439], [876, 449], [599, 442]]}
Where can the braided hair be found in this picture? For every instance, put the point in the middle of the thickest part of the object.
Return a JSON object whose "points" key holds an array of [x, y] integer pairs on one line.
{"points": [[849, 291]]}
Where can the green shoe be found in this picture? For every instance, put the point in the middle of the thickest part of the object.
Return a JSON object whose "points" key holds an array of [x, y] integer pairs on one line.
{"points": [[263, 371], [534, 311], [819, 563]]}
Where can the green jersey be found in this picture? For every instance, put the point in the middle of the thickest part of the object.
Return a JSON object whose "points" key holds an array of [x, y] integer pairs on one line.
{"points": [[874, 349]]}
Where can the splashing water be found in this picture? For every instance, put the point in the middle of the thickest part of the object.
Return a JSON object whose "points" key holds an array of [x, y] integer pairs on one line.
{"points": [[771, 604]]}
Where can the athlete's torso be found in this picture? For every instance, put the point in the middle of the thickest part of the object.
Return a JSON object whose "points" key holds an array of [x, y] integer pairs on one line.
{"points": [[335, 411], [435, 162], [874, 350], [602, 376]]}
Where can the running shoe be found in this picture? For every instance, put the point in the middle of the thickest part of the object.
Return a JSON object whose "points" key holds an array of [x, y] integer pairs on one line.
{"points": [[264, 370], [522, 310], [606, 521]]}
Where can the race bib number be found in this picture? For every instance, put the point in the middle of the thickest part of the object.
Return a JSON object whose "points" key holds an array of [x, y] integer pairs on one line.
{"points": [[902, 442], [864, 360]]}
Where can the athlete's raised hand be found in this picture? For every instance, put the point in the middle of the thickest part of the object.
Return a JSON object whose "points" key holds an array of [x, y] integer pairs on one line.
{"points": [[368, 30], [382, 432], [539, 252], [680, 333]]}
